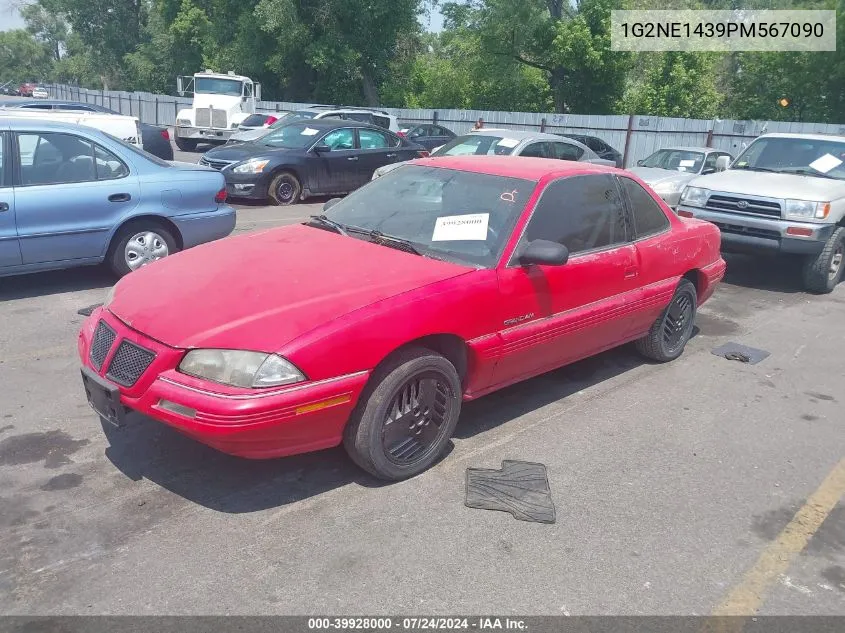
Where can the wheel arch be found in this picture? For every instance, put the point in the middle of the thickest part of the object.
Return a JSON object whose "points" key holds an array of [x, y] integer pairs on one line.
{"points": [[697, 278], [166, 222], [450, 346]]}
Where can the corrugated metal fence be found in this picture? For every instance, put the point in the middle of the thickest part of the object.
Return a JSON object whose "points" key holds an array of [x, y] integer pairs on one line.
{"points": [[635, 136]]}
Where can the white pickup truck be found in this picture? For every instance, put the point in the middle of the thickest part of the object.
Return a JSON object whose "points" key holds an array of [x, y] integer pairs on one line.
{"points": [[784, 194]]}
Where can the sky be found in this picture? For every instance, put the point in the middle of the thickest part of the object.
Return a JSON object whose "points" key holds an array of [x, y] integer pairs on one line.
{"points": [[11, 19]]}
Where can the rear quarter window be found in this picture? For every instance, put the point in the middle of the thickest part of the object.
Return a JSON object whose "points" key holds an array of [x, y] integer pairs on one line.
{"points": [[649, 218]]}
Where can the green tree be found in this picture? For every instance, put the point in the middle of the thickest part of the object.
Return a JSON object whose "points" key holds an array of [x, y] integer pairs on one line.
{"points": [[49, 28], [22, 57]]}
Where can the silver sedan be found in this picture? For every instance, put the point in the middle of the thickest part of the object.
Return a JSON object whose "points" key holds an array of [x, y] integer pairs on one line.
{"points": [[668, 171]]}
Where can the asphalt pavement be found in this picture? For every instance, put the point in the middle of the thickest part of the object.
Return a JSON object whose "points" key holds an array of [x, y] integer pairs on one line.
{"points": [[699, 486]]}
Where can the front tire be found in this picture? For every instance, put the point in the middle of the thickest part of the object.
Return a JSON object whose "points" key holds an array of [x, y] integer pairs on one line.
{"points": [[285, 189], [138, 244], [669, 334], [405, 419], [186, 144], [823, 272]]}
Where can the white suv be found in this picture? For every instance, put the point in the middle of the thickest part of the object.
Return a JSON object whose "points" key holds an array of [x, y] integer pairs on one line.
{"points": [[366, 115]]}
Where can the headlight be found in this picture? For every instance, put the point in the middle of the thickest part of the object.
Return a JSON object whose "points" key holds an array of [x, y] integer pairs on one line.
{"points": [[695, 196], [806, 210], [251, 166], [670, 186], [183, 122], [240, 368]]}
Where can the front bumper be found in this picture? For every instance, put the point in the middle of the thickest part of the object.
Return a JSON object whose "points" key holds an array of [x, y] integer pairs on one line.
{"points": [[753, 234], [255, 424], [205, 134], [249, 186], [199, 228]]}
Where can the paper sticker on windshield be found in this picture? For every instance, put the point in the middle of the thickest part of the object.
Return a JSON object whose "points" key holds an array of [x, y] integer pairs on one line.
{"points": [[508, 142], [825, 163], [461, 227], [309, 132], [686, 163]]}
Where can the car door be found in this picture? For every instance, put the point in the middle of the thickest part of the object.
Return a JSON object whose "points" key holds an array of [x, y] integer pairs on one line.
{"points": [[649, 226], [69, 195], [539, 149], [377, 148], [553, 315], [566, 151], [440, 136], [336, 170], [10, 250], [421, 136]]}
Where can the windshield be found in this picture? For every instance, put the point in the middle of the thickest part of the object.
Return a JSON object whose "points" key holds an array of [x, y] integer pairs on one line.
{"points": [[446, 214], [209, 85], [291, 117], [795, 156], [291, 137], [478, 144], [675, 160]]}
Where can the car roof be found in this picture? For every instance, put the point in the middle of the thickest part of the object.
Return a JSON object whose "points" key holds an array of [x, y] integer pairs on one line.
{"points": [[811, 137], [514, 166], [329, 122], [15, 123], [519, 135], [690, 148]]}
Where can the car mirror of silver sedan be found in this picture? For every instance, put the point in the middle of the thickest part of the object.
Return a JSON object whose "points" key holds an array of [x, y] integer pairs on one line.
{"points": [[544, 252], [722, 163]]}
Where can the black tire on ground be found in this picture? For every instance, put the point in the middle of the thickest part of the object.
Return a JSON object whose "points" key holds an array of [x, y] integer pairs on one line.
{"points": [[669, 334], [284, 189], [186, 144], [365, 435], [116, 256], [823, 272]]}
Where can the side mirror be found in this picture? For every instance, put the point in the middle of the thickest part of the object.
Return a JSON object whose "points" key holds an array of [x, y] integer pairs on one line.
{"points": [[322, 149], [544, 252], [640, 162], [330, 203], [709, 170], [722, 163]]}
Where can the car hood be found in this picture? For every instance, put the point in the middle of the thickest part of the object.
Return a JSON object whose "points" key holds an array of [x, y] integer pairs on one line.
{"points": [[654, 175], [771, 185], [243, 136], [262, 290], [241, 151]]}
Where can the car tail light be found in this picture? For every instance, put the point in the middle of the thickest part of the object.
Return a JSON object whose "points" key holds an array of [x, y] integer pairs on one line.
{"points": [[423, 153], [401, 133], [220, 198], [271, 120], [165, 134]]}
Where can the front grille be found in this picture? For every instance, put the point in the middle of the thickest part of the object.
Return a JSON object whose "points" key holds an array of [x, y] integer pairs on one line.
{"points": [[733, 204], [129, 362], [751, 231], [203, 117], [218, 118], [216, 164], [103, 340]]}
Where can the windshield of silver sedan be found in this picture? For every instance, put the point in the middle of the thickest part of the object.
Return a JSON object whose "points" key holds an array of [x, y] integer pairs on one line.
{"points": [[822, 158], [675, 160], [459, 216]]}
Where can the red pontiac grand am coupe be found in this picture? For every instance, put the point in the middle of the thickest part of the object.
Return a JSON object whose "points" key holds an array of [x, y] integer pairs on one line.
{"points": [[369, 325]]}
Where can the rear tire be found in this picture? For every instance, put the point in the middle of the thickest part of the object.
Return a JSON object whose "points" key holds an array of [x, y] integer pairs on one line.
{"points": [[669, 334], [150, 238], [285, 189], [398, 394], [186, 144], [823, 272]]}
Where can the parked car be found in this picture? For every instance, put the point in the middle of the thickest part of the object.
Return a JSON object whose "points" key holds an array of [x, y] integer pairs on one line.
{"points": [[40, 92], [784, 194], [73, 196], [25, 89], [155, 139], [668, 170], [8, 89], [439, 283], [380, 118], [258, 121], [428, 135], [602, 149], [501, 142], [319, 156]]}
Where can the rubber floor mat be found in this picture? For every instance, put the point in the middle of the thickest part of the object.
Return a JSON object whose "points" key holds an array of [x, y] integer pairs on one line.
{"points": [[521, 488], [87, 311], [741, 353]]}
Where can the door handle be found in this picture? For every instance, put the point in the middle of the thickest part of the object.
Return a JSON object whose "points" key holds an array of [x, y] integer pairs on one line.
{"points": [[351, 158], [630, 273], [119, 197], [4, 206], [390, 155]]}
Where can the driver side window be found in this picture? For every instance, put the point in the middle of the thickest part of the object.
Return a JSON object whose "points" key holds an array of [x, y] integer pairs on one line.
{"points": [[339, 140]]}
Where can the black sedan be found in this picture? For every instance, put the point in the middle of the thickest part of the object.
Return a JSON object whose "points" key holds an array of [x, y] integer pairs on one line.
{"points": [[602, 149], [155, 139], [428, 135], [315, 157]]}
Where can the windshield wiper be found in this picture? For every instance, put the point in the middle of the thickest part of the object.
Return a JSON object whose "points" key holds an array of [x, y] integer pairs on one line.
{"points": [[801, 171], [749, 168], [322, 219], [389, 240]]}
